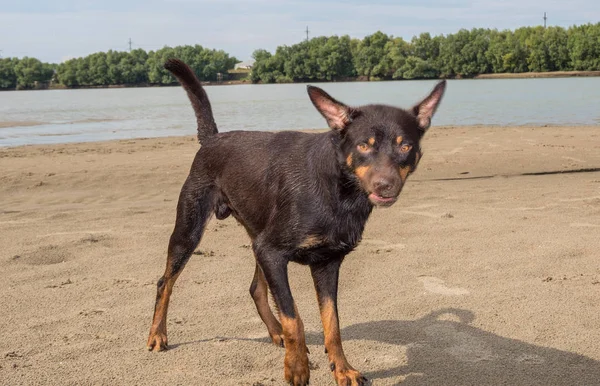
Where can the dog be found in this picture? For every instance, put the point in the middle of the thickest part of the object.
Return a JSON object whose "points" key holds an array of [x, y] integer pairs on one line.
{"points": [[302, 197]]}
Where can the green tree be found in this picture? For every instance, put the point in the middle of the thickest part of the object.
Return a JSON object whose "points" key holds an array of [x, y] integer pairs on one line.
{"points": [[319, 59], [8, 78], [426, 47], [156, 72], [396, 50], [31, 71], [261, 66], [369, 53], [556, 39], [82, 72], [516, 59], [416, 68], [333, 57], [464, 53], [377, 56], [66, 73], [98, 69], [583, 43], [538, 59], [134, 67], [114, 69]]}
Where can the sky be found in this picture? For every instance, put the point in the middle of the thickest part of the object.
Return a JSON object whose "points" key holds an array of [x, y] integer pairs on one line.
{"points": [[57, 30]]}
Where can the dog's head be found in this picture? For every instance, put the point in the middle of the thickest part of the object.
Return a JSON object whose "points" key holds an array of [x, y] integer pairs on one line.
{"points": [[380, 144]]}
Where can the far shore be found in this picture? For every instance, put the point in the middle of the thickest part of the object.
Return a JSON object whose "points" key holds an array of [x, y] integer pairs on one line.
{"points": [[551, 74], [521, 75]]}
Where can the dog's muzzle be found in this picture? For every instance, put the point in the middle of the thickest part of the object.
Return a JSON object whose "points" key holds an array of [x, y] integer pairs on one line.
{"points": [[378, 200]]}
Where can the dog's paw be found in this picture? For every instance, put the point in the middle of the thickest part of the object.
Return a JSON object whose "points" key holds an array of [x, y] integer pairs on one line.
{"points": [[277, 340], [348, 377], [157, 341], [296, 369]]}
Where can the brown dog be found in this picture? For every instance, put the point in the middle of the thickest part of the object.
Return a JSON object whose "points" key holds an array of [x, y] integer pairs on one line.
{"points": [[301, 197]]}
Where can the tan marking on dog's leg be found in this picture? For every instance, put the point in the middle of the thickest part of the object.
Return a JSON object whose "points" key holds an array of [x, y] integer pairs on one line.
{"points": [[157, 339], [296, 369], [260, 295], [343, 372]]}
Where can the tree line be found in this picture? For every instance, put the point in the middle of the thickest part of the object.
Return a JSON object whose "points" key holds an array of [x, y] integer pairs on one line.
{"points": [[465, 53], [24, 73], [136, 67]]}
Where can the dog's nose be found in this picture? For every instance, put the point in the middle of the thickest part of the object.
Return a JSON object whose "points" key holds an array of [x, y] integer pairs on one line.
{"points": [[382, 185]]}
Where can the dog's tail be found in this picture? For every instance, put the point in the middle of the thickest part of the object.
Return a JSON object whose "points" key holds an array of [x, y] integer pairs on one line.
{"points": [[204, 116]]}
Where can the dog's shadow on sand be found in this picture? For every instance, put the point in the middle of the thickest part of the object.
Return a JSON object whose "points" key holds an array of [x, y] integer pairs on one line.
{"points": [[443, 348]]}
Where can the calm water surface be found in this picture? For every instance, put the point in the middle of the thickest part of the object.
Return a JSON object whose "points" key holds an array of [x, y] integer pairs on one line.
{"points": [[59, 116]]}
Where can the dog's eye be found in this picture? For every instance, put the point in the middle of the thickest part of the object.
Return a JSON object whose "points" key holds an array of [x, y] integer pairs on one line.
{"points": [[405, 148], [363, 147]]}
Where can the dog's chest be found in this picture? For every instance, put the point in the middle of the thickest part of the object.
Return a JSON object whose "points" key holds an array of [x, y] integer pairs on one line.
{"points": [[335, 238], [331, 250]]}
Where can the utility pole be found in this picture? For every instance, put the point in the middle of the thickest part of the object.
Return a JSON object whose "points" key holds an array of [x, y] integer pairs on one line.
{"points": [[545, 18], [307, 31], [0, 54], [129, 44]]}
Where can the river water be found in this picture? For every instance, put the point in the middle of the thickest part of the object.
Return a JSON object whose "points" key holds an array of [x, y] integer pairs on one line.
{"points": [[61, 116]]}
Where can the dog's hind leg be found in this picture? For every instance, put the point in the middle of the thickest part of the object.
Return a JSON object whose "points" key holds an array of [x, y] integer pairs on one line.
{"points": [[325, 278], [195, 206], [260, 293]]}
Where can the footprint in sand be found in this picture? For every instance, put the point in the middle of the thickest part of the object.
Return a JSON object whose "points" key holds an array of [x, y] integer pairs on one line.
{"points": [[573, 159], [46, 255], [381, 245], [438, 286]]}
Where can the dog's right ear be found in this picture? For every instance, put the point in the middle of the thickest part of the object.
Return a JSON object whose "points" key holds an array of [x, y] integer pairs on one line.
{"points": [[337, 114]]}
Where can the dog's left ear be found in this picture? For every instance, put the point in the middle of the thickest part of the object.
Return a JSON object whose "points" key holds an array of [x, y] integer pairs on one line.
{"points": [[337, 114], [424, 111]]}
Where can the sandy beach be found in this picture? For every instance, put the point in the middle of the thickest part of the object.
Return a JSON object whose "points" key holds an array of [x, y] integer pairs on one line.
{"points": [[485, 272]]}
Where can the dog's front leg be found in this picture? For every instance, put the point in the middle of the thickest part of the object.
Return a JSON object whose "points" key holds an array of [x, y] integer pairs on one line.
{"points": [[326, 277], [274, 265]]}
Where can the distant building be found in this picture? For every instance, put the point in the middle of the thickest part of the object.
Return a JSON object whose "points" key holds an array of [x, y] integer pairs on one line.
{"points": [[246, 65]]}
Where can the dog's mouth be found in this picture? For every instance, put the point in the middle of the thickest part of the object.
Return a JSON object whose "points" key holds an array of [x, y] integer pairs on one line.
{"points": [[382, 201]]}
